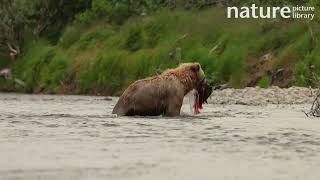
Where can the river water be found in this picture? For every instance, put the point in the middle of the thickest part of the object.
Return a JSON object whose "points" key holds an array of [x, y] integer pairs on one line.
{"points": [[76, 137]]}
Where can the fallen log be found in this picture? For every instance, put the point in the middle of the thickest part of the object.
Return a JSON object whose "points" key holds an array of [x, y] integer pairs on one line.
{"points": [[7, 74]]}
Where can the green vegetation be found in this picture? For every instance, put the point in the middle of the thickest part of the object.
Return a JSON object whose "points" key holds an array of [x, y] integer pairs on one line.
{"points": [[103, 49], [264, 82]]}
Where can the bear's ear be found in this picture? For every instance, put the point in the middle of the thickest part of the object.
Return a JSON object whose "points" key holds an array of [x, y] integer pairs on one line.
{"points": [[195, 67]]}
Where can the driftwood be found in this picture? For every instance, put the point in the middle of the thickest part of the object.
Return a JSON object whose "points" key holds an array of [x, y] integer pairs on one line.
{"points": [[14, 51], [7, 74], [315, 108], [220, 87]]}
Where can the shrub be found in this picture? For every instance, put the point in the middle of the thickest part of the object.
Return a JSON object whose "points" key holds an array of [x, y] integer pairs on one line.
{"points": [[302, 74], [29, 67], [111, 57], [134, 39], [54, 72], [154, 32], [42, 68], [86, 17], [264, 82], [316, 4], [106, 71], [69, 37], [116, 12], [100, 8], [231, 66], [202, 55], [120, 13], [306, 72], [92, 38]]}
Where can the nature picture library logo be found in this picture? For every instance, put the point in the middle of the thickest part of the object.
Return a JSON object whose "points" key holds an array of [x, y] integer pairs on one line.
{"points": [[295, 12]]}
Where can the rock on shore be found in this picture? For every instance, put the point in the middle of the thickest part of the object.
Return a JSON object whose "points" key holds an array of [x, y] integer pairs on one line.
{"points": [[260, 96]]}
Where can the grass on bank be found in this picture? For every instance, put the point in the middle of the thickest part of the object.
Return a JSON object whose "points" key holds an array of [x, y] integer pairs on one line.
{"points": [[105, 59]]}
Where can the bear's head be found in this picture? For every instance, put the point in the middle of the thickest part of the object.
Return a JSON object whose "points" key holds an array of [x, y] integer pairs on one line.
{"points": [[197, 70], [189, 74]]}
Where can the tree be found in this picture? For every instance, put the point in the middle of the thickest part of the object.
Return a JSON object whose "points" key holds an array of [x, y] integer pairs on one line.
{"points": [[38, 15], [58, 13], [12, 25]]}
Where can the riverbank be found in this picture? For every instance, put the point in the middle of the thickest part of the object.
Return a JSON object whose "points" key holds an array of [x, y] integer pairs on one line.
{"points": [[262, 96], [103, 59]]}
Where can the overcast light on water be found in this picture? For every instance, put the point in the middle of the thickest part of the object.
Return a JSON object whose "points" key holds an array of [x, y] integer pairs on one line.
{"points": [[76, 137]]}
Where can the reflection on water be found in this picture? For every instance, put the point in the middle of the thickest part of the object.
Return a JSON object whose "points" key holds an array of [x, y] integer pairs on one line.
{"points": [[76, 137]]}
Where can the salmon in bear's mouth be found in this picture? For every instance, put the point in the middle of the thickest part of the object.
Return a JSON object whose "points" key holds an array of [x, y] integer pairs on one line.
{"points": [[202, 93]]}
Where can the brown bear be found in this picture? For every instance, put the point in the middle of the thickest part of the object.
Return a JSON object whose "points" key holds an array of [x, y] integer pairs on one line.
{"points": [[162, 94]]}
